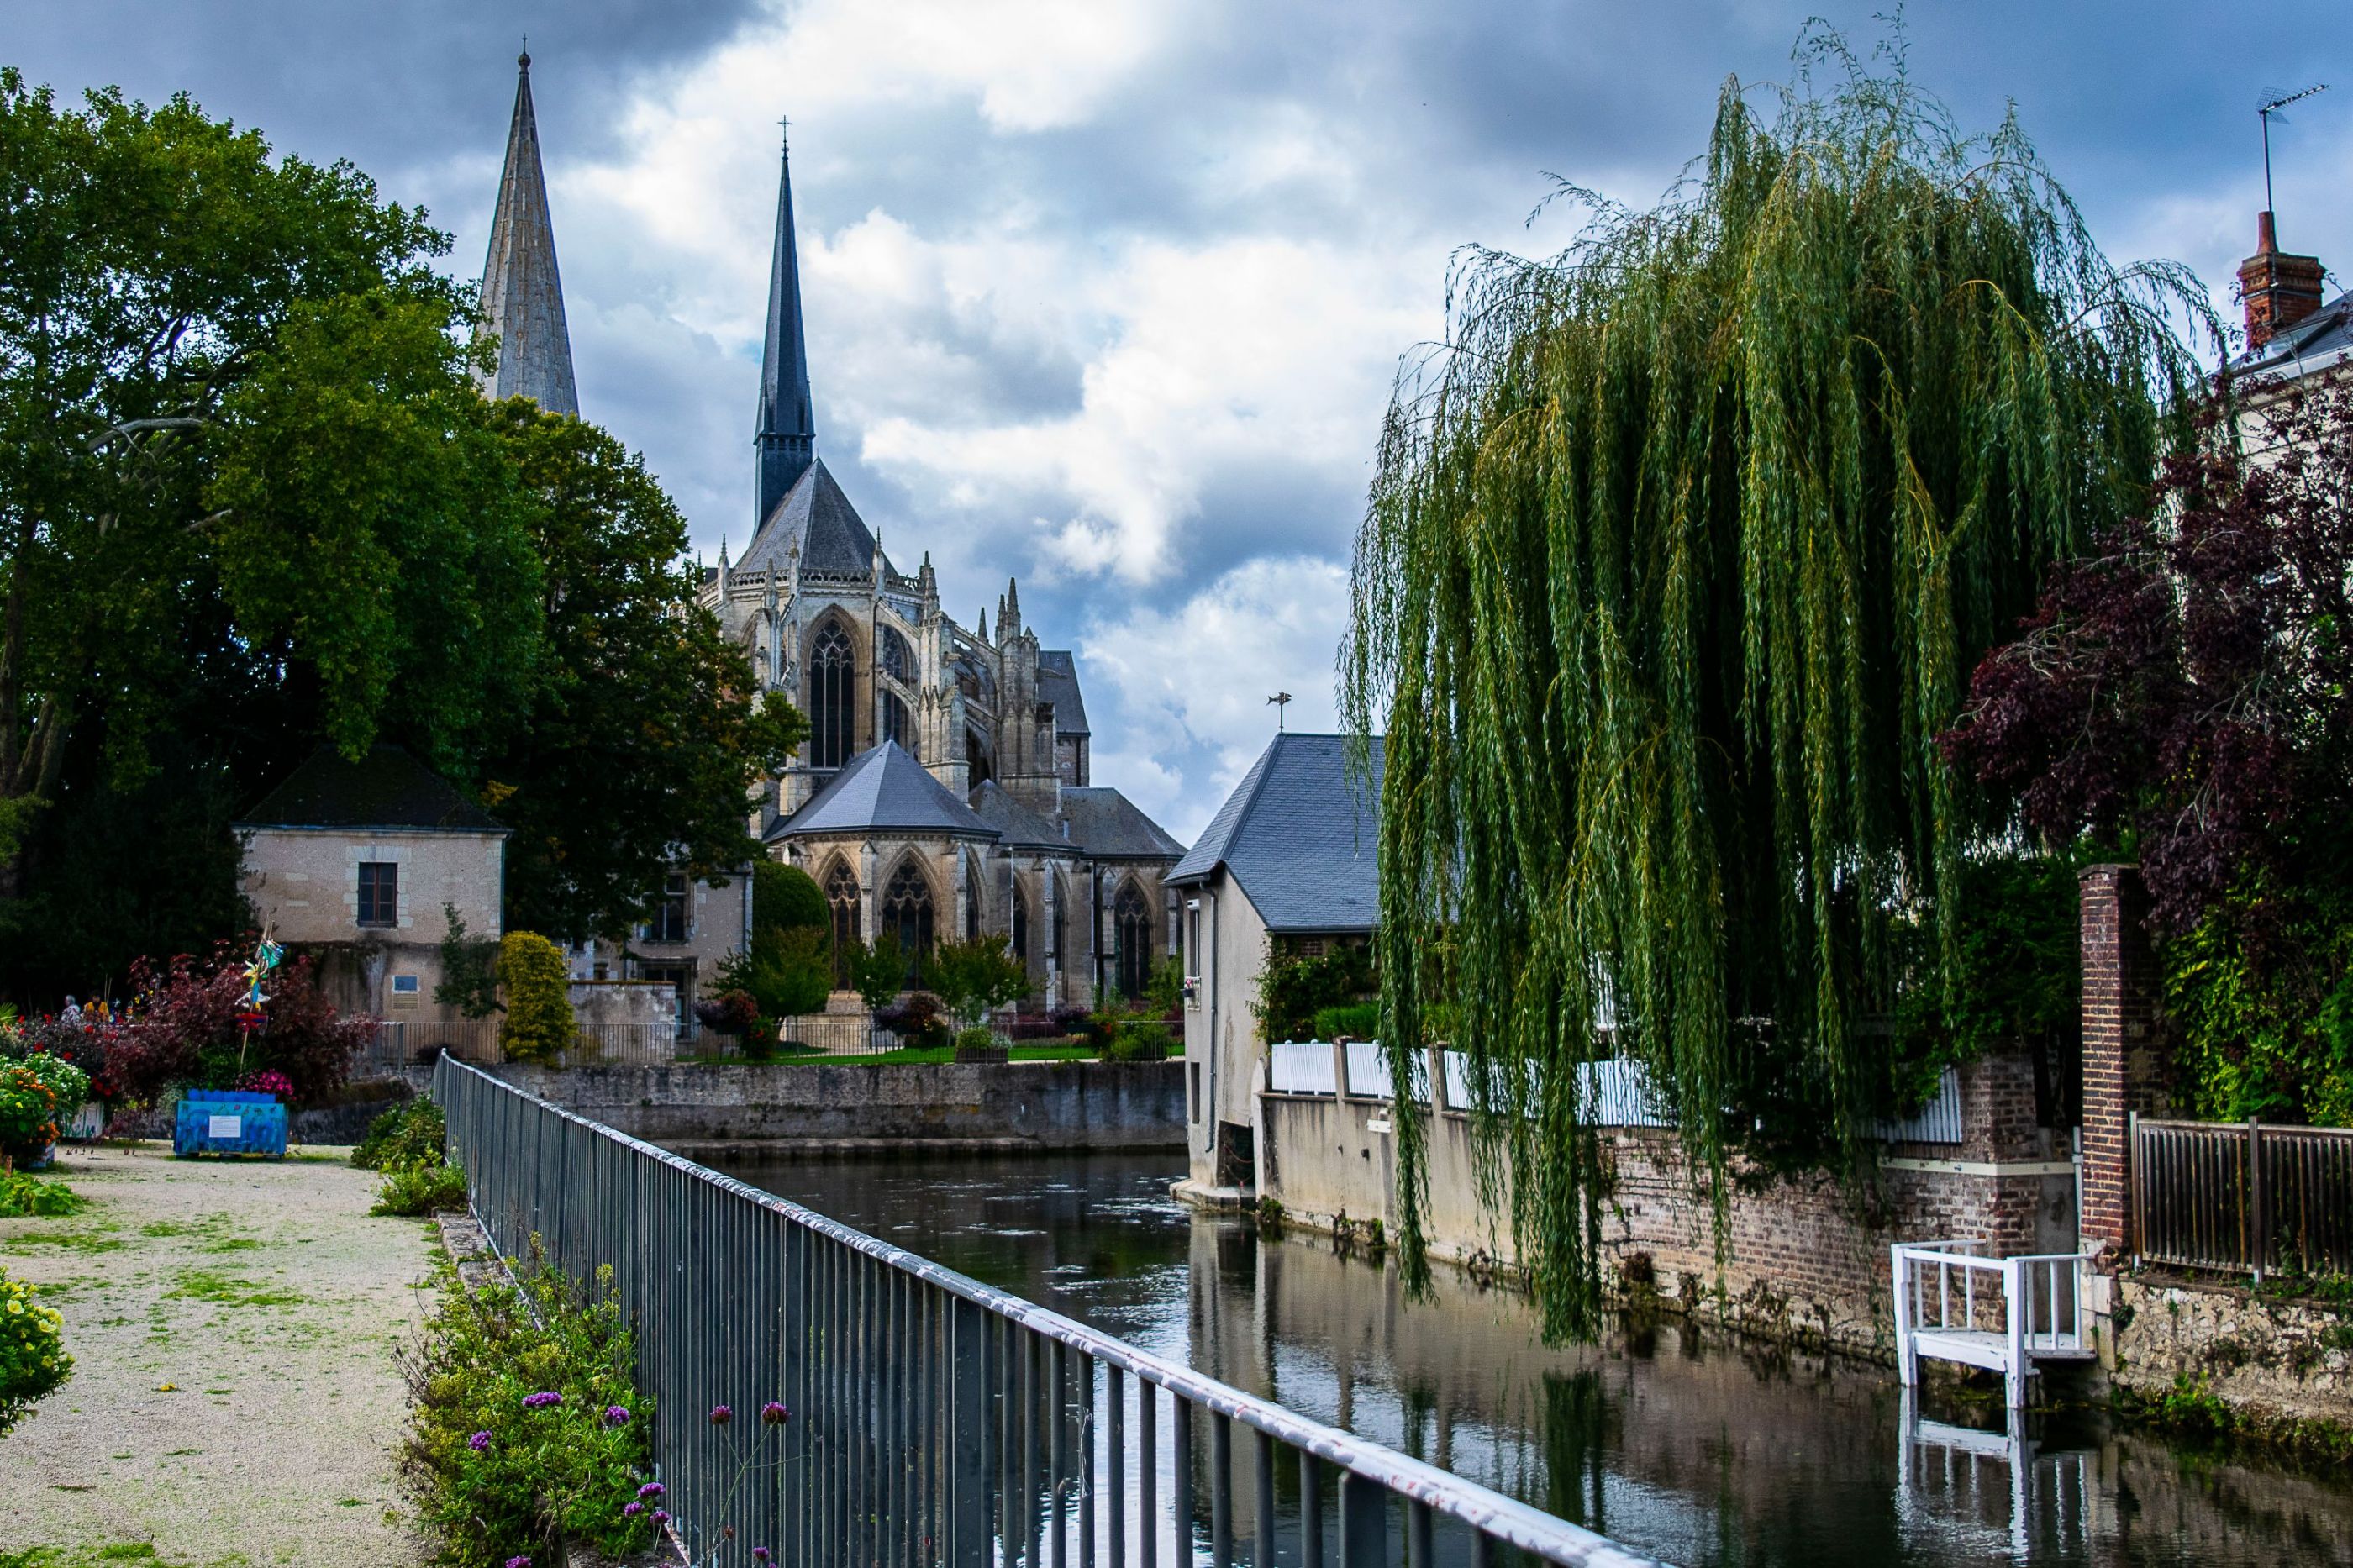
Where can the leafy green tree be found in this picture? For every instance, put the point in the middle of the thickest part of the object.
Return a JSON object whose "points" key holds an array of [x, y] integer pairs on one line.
{"points": [[1675, 564], [973, 976], [787, 971], [152, 264], [643, 729], [876, 971], [539, 1023]]}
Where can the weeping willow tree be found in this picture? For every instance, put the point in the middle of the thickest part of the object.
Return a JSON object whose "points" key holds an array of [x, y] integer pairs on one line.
{"points": [[1677, 554]]}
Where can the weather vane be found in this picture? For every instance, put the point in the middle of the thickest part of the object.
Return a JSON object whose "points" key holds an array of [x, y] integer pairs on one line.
{"points": [[1281, 700], [2272, 106]]}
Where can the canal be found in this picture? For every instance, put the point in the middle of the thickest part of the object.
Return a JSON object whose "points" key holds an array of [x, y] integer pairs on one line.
{"points": [[1691, 1447]]}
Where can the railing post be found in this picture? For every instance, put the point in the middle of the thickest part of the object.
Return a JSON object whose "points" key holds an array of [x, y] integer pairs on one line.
{"points": [[2259, 1244], [1363, 1523], [2013, 1290], [967, 1468], [1907, 1373]]}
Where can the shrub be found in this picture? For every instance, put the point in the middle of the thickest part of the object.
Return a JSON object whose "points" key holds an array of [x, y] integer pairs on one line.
{"points": [[183, 1030], [979, 1037], [470, 969], [268, 1080], [1292, 990], [68, 1082], [23, 1197], [785, 971], [1356, 1021], [528, 1433], [729, 1013], [411, 1134], [787, 897], [33, 1360], [877, 973], [414, 1192], [1140, 1040], [28, 1112], [972, 977], [916, 1021], [539, 1023]]}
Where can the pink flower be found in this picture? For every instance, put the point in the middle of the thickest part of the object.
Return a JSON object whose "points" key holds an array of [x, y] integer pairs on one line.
{"points": [[774, 1414], [720, 1416]]}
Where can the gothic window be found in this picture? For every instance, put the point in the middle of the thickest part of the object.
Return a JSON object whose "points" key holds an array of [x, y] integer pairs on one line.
{"points": [[1132, 917], [906, 912], [972, 902], [833, 697], [841, 892], [898, 659], [1020, 926], [896, 724], [976, 758]]}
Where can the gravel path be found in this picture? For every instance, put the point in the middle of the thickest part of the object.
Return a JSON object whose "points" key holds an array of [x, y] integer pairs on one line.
{"points": [[234, 1398]]}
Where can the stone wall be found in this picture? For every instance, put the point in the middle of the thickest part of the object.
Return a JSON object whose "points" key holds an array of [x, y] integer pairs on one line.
{"points": [[1803, 1260], [1042, 1105], [2268, 1358]]}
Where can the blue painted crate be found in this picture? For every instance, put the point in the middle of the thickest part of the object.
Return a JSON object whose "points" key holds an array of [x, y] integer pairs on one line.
{"points": [[221, 1121]]}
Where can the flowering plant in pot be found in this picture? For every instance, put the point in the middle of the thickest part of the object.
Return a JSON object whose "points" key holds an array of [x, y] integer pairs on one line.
{"points": [[28, 1116]]}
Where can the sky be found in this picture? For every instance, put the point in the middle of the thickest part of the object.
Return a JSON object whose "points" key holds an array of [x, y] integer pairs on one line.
{"points": [[1109, 295]]}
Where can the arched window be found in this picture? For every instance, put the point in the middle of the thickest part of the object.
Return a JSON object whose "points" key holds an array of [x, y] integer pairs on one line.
{"points": [[896, 724], [898, 659], [1020, 925], [1133, 917], [833, 697], [906, 912], [978, 761], [841, 892]]}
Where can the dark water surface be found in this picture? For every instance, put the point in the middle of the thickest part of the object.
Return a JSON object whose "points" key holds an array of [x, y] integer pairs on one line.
{"points": [[1688, 1447]]}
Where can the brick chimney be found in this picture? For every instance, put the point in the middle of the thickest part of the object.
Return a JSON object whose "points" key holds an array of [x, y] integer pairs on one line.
{"points": [[2279, 290]]}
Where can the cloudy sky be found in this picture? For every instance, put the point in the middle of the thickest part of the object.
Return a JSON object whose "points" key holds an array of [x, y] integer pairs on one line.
{"points": [[1109, 295]]}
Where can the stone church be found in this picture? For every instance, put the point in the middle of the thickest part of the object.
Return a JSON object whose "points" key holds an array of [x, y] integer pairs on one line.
{"points": [[946, 787]]}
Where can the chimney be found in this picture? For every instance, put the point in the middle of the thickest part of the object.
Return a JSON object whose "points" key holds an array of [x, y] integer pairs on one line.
{"points": [[2279, 290]]}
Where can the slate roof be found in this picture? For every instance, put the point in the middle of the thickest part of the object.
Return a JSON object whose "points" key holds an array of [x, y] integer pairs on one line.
{"points": [[1016, 826], [1058, 683], [884, 791], [1108, 826], [834, 540], [387, 788], [2317, 342], [1299, 835]]}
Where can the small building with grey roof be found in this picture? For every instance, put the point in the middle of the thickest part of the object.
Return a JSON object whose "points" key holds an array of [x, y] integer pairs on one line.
{"points": [[1288, 862]]}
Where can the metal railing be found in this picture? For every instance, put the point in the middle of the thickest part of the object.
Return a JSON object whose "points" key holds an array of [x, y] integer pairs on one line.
{"points": [[2244, 1197], [933, 1419]]}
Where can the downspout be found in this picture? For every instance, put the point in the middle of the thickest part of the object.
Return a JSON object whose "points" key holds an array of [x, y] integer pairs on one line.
{"points": [[1210, 1058]]}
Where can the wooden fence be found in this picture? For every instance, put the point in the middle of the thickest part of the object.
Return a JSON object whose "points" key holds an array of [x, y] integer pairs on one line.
{"points": [[2244, 1197]]}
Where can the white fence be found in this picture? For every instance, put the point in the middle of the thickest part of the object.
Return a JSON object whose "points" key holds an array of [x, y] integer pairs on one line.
{"points": [[1617, 1092]]}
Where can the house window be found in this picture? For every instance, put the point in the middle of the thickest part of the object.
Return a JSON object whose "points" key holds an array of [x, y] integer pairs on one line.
{"points": [[670, 919], [379, 894], [1133, 919], [833, 697]]}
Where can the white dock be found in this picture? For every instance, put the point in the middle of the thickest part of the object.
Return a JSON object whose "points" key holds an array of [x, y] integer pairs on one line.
{"points": [[2006, 1314]]}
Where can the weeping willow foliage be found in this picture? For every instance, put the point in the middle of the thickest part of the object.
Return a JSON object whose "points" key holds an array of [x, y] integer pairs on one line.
{"points": [[1677, 556]]}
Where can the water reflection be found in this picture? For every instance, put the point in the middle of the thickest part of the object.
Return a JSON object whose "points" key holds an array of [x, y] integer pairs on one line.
{"points": [[1687, 1447]]}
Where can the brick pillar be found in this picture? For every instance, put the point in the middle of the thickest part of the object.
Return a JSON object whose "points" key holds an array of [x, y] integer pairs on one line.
{"points": [[2120, 1071]]}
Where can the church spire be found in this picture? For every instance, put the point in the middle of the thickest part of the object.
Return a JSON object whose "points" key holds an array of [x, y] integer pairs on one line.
{"points": [[523, 298], [786, 435]]}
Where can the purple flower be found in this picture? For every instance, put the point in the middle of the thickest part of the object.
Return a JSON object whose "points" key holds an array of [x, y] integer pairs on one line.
{"points": [[661, 1516], [720, 1416], [518, 1562], [617, 1416], [631, 1511], [479, 1441], [774, 1414], [760, 1555], [652, 1489], [542, 1400]]}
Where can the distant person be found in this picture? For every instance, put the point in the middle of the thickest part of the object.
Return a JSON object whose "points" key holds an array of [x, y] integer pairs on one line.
{"points": [[72, 1015]]}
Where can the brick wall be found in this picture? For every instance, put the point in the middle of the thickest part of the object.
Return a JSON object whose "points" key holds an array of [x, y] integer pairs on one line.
{"points": [[2122, 1075]]}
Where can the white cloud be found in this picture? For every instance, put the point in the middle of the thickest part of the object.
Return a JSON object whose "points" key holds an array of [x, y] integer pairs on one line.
{"points": [[1191, 683]]}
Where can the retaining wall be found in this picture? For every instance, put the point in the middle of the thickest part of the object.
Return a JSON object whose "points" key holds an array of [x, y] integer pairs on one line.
{"points": [[2274, 1359], [1040, 1105]]}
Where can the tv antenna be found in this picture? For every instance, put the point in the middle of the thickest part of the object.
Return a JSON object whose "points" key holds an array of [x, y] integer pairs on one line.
{"points": [[1281, 700], [2273, 106]]}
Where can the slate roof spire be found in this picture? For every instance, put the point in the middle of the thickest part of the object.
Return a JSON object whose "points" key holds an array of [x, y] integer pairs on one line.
{"points": [[785, 436], [523, 298]]}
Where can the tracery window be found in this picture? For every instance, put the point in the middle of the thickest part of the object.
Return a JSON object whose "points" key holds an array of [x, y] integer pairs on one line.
{"points": [[833, 697], [906, 912], [896, 724], [898, 659], [1132, 918], [841, 892]]}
